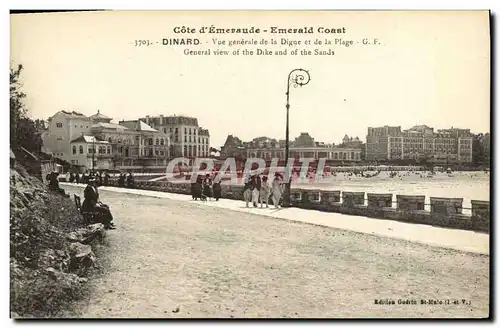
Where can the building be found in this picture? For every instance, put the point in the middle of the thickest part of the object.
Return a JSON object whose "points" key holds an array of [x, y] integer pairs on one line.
{"points": [[63, 127], [140, 146], [350, 142], [187, 137], [304, 146], [91, 153], [419, 143], [73, 136], [233, 147]]}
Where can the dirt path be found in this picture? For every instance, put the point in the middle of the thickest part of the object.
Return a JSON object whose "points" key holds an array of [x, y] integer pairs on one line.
{"points": [[181, 259]]}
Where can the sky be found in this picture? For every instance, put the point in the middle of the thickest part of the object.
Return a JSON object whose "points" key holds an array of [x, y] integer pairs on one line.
{"points": [[430, 68]]}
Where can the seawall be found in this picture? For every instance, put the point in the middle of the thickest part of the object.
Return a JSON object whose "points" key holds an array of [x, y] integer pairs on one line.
{"points": [[444, 212]]}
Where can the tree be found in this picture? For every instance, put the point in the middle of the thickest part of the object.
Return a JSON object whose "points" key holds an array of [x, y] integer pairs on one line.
{"points": [[23, 132]]}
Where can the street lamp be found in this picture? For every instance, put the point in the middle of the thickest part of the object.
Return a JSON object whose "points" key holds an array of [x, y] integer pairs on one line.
{"points": [[297, 77]]}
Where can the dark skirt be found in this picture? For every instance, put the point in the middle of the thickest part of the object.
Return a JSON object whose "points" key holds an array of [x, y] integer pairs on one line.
{"points": [[206, 191], [98, 214], [217, 190], [196, 190]]}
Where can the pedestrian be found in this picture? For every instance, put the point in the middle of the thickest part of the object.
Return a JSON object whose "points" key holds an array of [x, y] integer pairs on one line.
{"points": [[207, 187], [130, 180], [264, 192], [277, 191], [256, 190], [248, 190], [217, 190], [92, 207]]}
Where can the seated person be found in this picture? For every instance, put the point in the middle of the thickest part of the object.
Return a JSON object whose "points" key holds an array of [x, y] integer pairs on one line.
{"points": [[54, 183], [93, 207]]}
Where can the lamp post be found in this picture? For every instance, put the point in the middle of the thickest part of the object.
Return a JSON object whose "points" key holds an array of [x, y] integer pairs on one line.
{"points": [[297, 77]]}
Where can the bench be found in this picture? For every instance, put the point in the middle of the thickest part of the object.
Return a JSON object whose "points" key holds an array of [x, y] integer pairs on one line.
{"points": [[86, 216]]}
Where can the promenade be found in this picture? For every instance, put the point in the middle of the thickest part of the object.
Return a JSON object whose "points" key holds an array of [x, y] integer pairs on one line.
{"points": [[173, 257], [463, 240]]}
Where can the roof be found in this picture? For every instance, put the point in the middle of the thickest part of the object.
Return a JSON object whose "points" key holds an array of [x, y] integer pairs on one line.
{"points": [[138, 125], [144, 127], [100, 116], [109, 126], [88, 139], [71, 114]]}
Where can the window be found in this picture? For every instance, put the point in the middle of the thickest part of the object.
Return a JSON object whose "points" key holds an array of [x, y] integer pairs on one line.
{"points": [[189, 138], [185, 138], [76, 126], [74, 150], [87, 127], [59, 138], [157, 141], [185, 130], [199, 140], [176, 138], [176, 130], [108, 150], [81, 149], [164, 130], [189, 130], [162, 142], [109, 139]]}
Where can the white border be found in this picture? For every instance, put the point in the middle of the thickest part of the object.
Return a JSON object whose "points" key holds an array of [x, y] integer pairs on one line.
{"points": [[200, 4]]}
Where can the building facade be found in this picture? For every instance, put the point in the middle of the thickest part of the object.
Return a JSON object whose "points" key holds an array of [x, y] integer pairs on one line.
{"points": [[233, 147], [140, 146], [63, 127], [72, 137], [187, 138], [90, 152], [304, 146], [419, 143]]}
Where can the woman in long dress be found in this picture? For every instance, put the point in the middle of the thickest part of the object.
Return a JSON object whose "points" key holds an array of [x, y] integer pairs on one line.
{"points": [[248, 190], [264, 192], [207, 187], [277, 190], [256, 190]]}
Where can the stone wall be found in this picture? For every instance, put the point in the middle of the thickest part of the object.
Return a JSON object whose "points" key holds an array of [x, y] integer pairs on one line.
{"points": [[445, 212]]}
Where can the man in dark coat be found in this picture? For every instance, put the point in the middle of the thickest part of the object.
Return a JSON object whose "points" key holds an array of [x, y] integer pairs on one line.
{"points": [[54, 183], [106, 179], [217, 190], [93, 207], [121, 180], [130, 180]]}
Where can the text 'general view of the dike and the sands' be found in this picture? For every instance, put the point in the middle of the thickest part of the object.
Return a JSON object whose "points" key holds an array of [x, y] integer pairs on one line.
{"points": [[253, 41]]}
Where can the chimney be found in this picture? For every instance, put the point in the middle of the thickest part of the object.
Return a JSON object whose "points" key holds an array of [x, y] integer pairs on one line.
{"points": [[161, 119]]}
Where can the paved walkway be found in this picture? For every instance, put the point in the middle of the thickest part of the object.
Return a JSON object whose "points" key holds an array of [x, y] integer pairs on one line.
{"points": [[463, 240], [181, 259]]}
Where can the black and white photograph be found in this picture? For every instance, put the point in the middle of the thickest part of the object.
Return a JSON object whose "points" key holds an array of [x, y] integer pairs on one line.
{"points": [[250, 164]]}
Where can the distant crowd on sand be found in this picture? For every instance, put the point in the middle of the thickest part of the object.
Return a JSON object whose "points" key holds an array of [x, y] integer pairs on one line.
{"points": [[256, 190]]}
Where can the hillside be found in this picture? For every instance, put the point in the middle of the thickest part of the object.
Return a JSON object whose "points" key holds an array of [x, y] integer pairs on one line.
{"points": [[50, 248]]}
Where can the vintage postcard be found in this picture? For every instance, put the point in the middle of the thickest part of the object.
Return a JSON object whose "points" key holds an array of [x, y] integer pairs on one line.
{"points": [[250, 164]]}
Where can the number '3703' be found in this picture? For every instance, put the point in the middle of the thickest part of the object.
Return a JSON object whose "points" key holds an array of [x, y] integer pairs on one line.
{"points": [[142, 43]]}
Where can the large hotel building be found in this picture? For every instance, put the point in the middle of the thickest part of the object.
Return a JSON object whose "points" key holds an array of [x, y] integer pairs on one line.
{"points": [[188, 139], [419, 143]]}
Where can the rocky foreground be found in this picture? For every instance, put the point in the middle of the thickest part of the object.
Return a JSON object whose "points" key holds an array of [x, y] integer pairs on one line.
{"points": [[51, 249]]}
